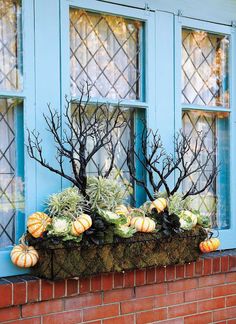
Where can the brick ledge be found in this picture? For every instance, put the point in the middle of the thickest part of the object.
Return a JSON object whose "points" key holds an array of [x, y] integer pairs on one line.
{"points": [[20, 290]]}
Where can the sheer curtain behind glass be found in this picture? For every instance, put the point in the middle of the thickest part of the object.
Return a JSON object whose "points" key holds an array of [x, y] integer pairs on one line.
{"points": [[105, 52], [11, 183], [205, 83]]}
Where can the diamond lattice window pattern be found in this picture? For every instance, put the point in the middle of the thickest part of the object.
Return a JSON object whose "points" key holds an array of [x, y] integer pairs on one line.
{"points": [[10, 45], [198, 124], [204, 68], [104, 51]]}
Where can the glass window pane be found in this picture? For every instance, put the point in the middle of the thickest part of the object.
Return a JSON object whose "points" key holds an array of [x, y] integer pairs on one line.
{"points": [[205, 68], [121, 136], [11, 170], [104, 51], [10, 45], [214, 201]]}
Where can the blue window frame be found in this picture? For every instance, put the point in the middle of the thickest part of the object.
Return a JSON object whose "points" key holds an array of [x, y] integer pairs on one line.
{"points": [[45, 77], [205, 101]]}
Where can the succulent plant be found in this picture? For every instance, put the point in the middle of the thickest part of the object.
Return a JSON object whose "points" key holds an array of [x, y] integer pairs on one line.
{"points": [[105, 193], [69, 203]]}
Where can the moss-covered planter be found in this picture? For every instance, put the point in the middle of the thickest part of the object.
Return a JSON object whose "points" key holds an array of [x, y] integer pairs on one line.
{"points": [[58, 261]]}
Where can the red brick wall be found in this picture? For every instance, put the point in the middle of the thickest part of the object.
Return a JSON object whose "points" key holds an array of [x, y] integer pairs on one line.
{"points": [[201, 292]]}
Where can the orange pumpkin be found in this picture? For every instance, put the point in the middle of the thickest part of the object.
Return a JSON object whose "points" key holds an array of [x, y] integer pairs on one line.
{"points": [[24, 256], [81, 224], [37, 223], [159, 204], [143, 224], [209, 245]]}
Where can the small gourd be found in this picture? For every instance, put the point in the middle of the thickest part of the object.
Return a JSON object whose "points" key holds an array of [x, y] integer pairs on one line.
{"points": [[159, 204], [37, 223], [24, 256], [143, 224], [81, 224], [209, 245]]}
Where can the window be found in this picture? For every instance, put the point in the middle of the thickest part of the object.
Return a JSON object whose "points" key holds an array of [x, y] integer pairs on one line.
{"points": [[11, 127], [106, 51], [206, 111]]}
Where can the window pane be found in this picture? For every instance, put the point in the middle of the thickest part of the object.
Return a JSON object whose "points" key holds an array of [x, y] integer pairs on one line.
{"points": [[205, 68], [120, 139], [11, 170], [214, 201], [105, 52], [10, 45]]}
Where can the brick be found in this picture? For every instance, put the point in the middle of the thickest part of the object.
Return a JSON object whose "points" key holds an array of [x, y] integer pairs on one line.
{"points": [[208, 305], [44, 307], [70, 317], [46, 290], [118, 280], [232, 263], [6, 291], [98, 312], [231, 301], [224, 263], [216, 265], [118, 295], [199, 319], [189, 270], [230, 277], [72, 287], [207, 269], [170, 273], [129, 279], [151, 290], [140, 277], [151, 316], [32, 291], [59, 288], [19, 293], [223, 314], [125, 319], [138, 305], [9, 313], [199, 267], [179, 271], [198, 294], [150, 275], [182, 285], [212, 280], [182, 310], [96, 283], [170, 299], [233, 321], [173, 321], [160, 274], [84, 285], [86, 300], [229, 289], [107, 281]]}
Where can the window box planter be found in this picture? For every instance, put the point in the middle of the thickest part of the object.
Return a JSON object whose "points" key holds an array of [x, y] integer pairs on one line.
{"points": [[67, 260]]}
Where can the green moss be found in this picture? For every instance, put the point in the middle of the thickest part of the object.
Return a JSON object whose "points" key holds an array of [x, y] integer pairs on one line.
{"points": [[140, 251]]}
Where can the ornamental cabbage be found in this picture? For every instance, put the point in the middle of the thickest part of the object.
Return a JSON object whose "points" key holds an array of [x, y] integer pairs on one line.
{"points": [[124, 231], [112, 218], [187, 219], [60, 226]]}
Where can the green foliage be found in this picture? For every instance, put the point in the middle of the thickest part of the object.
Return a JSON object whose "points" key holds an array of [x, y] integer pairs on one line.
{"points": [[203, 220], [124, 231], [69, 203], [104, 193], [176, 203]]}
